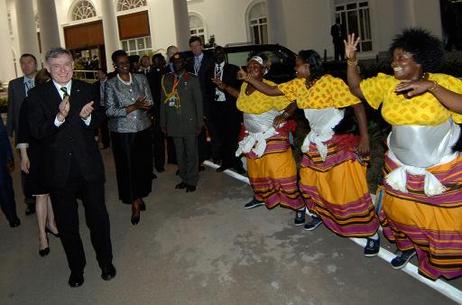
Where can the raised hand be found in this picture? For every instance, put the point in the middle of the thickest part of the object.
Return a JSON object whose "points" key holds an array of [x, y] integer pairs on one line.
{"points": [[64, 108], [87, 110], [351, 46]]}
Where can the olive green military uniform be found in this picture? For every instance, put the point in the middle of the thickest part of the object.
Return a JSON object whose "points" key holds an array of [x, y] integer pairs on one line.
{"points": [[181, 115]]}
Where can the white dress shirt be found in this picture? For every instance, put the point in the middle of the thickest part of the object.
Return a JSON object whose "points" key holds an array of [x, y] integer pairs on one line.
{"points": [[68, 86]]}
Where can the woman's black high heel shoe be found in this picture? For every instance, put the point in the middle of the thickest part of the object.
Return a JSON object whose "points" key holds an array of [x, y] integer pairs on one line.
{"points": [[48, 231], [44, 252]]}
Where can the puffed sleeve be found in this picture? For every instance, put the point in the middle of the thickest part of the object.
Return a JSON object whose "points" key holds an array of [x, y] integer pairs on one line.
{"points": [[290, 88], [340, 93], [453, 84], [375, 88]]}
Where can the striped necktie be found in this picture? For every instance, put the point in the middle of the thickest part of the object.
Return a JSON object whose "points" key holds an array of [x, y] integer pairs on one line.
{"points": [[64, 90]]}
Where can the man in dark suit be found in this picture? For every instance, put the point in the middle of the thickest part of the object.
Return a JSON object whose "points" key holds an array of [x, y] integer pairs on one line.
{"points": [[225, 116], [202, 66], [65, 117], [155, 79], [17, 90], [7, 202], [338, 33]]}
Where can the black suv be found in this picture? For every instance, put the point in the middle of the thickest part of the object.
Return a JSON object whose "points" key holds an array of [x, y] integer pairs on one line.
{"points": [[282, 59]]}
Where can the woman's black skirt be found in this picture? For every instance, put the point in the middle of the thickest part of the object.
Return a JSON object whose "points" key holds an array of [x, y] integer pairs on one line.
{"points": [[34, 183], [134, 166]]}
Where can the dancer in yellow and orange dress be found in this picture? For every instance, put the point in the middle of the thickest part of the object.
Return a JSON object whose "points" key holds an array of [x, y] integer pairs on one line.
{"points": [[271, 167], [422, 189], [332, 174]]}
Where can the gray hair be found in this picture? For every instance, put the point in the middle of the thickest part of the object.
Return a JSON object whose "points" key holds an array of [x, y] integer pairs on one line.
{"points": [[55, 52]]}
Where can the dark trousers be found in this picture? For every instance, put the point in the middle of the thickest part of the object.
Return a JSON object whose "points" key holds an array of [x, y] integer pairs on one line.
{"points": [[171, 153], [227, 123], [104, 133], [159, 147], [7, 202], [339, 50], [187, 157], [67, 220]]}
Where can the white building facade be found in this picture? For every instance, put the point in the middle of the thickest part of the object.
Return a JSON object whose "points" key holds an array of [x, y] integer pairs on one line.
{"points": [[95, 28]]}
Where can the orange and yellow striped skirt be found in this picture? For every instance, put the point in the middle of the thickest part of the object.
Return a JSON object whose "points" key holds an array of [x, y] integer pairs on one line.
{"points": [[336, 189], [430, 225], [273, 176]]}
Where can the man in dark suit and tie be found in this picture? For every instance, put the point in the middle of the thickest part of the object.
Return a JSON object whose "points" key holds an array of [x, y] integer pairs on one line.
{"points": [[65, 117], [17, 91], [225, 116], [338, 33], [202, 66]]}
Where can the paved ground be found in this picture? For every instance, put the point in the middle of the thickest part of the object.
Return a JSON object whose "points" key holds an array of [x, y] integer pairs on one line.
{"points": [[204, 249]]}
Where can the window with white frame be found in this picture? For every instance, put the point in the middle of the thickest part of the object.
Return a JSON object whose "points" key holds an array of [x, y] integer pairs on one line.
{"points": [[258, 23], [354, 15], [125, 5], [197, 28], [83, 9], [137, 46]]}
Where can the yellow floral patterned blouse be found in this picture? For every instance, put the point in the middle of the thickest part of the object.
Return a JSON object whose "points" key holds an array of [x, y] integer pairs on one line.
{"points": [[424, 109], [258, 103], [327, 92]]}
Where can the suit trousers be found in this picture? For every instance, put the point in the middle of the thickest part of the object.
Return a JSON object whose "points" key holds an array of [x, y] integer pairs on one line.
{"points": [[187, 158], [227, 123], [67, 220], [7, 202]]}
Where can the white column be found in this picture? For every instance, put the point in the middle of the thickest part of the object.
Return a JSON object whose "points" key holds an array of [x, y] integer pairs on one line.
{"points": [[27, 31], [180, 9], [49, 30], [7, 72], [276, 22], [404, 14], [110, 30]]}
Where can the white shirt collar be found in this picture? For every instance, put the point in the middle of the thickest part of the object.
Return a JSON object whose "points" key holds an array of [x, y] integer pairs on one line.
{"points": [[199, 57], [28, 79], [58, 87]]}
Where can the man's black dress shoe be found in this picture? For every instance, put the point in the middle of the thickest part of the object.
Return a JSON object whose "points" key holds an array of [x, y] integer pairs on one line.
{"points": [[222, 168], [75, 280], [181, 186], [190, 188], [15, 223], [240, 170], [108, 272]]}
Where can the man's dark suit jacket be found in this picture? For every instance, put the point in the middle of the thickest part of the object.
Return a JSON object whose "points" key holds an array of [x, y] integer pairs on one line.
{"points": [[73, 141], [155, 84], [16, 95], [205, 75], [230, 79]]}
